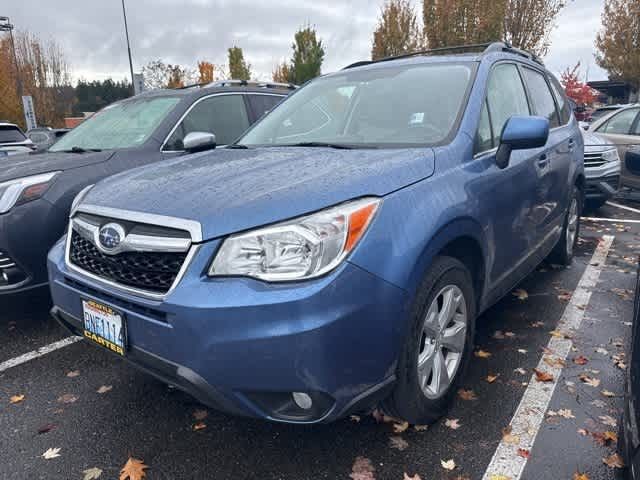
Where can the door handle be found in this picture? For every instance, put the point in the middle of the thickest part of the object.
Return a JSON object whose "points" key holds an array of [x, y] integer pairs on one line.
{"points": [[543, 160], [572, 144]]}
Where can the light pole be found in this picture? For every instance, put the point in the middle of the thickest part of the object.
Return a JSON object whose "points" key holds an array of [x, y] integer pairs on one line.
{"points": [[6, 26], [126, 32]]}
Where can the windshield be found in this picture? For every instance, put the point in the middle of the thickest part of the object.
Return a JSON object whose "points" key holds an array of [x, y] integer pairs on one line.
{"points": [[391, 106], [10, 134], [122, 125]]}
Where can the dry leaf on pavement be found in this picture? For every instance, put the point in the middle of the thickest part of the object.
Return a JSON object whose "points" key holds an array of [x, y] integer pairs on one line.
{"points": [[508, 437], [46, 428], [73, 373], [520, 293], [605, 438], [613, 461], [134, 469], [608, 420], [524, 453], [398, 443], [362, 469], [520, 370], [492, 378], [91, 473], [591, 381], [51, 453], [355, 418], [16, 399], [400, 427], [415, 477], [580, 360], [67, 398], [482, 354], [199, 426], [607, 393], [465, 394], [421, 428], [452, 423], [580, 476], [543, 376], [448, 464], [104, 389], [498, 477]]}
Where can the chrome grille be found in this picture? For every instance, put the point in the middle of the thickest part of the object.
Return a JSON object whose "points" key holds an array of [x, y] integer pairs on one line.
{"points": [[593, 159]]}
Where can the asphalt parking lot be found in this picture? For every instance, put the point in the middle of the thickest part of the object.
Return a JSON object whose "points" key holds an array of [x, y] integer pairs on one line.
{"points": [[99, 412]]}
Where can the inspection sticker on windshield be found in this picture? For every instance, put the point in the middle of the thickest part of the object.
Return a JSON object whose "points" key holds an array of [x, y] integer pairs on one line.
{"points": [[104, 326]]}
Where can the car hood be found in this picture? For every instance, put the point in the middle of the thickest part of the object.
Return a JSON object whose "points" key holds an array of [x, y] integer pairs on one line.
{"points": [[232, 190], [17, 166], [594, 142]]}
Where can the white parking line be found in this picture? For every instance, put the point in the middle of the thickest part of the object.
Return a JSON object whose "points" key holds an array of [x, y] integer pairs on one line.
{"points": [[529, 415], [14, 362], [624, 207], [615, 220]]}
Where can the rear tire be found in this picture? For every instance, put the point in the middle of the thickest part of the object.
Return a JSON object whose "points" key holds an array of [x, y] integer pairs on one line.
{"points": [[562, 253], [438, 344]]}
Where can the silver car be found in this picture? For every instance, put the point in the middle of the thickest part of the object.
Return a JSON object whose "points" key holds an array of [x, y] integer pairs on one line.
{"points": [[13, 141], [601, 169]]}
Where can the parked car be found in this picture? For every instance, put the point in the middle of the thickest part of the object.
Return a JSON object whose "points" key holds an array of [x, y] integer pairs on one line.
{"points": [[602, 170], [600, 112], [622, 129], [629, 439], [339, 253], [13, 141], [36, 190], [44, 137]]}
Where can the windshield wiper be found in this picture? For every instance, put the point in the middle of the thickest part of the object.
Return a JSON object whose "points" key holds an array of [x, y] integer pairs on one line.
{"points": [[237, 146], [341, 146], [76, 149]]}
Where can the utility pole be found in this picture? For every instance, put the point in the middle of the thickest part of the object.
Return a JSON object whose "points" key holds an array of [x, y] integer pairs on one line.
{"points": [[6, 26], [126, 31]]}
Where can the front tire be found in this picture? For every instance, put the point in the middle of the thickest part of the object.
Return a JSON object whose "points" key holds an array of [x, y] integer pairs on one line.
{"points": [[562, 253], [438, 344]]}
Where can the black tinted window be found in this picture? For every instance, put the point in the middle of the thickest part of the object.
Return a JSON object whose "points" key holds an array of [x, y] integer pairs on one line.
{"points": [[563, 105], [223, 115], [10, 135], [506, 97], [541, 97], [261, 104]]}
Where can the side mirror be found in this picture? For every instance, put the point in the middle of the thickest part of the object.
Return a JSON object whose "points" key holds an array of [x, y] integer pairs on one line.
{"points": [[521, 133], [199, 141]]}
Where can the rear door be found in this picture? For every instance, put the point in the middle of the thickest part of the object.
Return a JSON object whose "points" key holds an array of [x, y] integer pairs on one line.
{"points": [[553, 162], [623, 130], [262, 103]]}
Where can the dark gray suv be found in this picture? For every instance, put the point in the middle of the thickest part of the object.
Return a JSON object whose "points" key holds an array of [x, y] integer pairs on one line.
{"points": [[36, 190]]}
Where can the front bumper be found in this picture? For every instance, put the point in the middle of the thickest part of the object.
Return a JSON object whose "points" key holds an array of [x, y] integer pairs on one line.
{"points": [[27, 232], [602, 182], [243, 346]]}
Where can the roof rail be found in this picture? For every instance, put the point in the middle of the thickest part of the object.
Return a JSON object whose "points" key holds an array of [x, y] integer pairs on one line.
{"points": [[249, 83], [482, 48]]}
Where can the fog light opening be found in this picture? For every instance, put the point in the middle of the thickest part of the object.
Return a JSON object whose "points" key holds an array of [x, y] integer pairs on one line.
{"points": [[302, 400]]}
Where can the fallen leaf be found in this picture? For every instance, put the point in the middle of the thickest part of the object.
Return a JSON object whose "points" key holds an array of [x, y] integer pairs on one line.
{"points": [[465, 394], [381, 417], [73, 373], [104, 389], [565, 413], [520, 293], [398, 443], [580, 360], [607, 393], [67, 398], [362, 469], [521, 371], [16, 399], [605, 438], [448, 464], [134, 469], [492, 378], [407, 477], [537, 324], [91, 473], [421, 428], [602, 351], [498, 335], [46, 428], [559, 334], [509, 334], [200, 414], [613, 461], [598, 403], [583, 432], [452, 423], [482, 354], [499, 477], [400, 427], [608, 420], [543, 376], [524, 453], [508, 437], [355, 418], [522, 351], [199, 426], [51, 453], [591, 381], [554, 362], [564, 296], [580, 476]]}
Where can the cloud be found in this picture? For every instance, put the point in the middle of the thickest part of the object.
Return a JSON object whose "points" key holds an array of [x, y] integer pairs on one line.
{"points": [[92, 33]]}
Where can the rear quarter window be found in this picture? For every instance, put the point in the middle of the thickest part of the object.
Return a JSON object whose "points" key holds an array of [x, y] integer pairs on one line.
{"points": [[564, 109], [540, 96], [11, 134]]}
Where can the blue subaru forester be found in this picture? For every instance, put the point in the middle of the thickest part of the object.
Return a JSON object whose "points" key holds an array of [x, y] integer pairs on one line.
{"points": [[337, 255]]}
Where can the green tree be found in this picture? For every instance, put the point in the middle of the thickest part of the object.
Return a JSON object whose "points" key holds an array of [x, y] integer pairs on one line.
{"points": [[527, 24], [238, 67], [308, 55], [397, 31], [282, 73], [618, 42]]}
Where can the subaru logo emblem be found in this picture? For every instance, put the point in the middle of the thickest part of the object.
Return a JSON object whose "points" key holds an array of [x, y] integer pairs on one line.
{"points": [[110, 237]]}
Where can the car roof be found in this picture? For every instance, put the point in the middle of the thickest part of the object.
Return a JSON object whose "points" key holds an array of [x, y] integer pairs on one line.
{"points": [[7, 124]]}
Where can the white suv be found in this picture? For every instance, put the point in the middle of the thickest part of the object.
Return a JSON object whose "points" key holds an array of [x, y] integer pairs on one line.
{"points": [[13, 141]]}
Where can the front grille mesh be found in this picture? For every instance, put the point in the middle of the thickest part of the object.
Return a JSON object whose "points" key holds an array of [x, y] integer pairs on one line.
{"points": [[151, 271], [593, 159]]}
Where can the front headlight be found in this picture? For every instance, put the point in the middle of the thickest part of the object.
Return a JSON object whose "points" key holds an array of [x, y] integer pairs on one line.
{"points": [[298, 249], [23, 190], [610, 155]]}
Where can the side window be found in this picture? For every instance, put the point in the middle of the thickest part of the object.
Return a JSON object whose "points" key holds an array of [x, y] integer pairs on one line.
{"points": [[540, 95], [261, 104], [484, 136], [223, 115], [620, 123], [506, 97], [563, 106]]}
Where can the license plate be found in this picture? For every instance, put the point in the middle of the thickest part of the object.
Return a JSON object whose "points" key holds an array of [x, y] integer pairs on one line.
{"points": [[104, 326]]}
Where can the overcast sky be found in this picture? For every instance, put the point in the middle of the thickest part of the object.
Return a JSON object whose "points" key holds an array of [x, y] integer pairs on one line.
{"points": [[92, 33]]}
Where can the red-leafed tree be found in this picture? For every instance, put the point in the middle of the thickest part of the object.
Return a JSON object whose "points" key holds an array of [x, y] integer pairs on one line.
{"points": [[578, 91]]}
